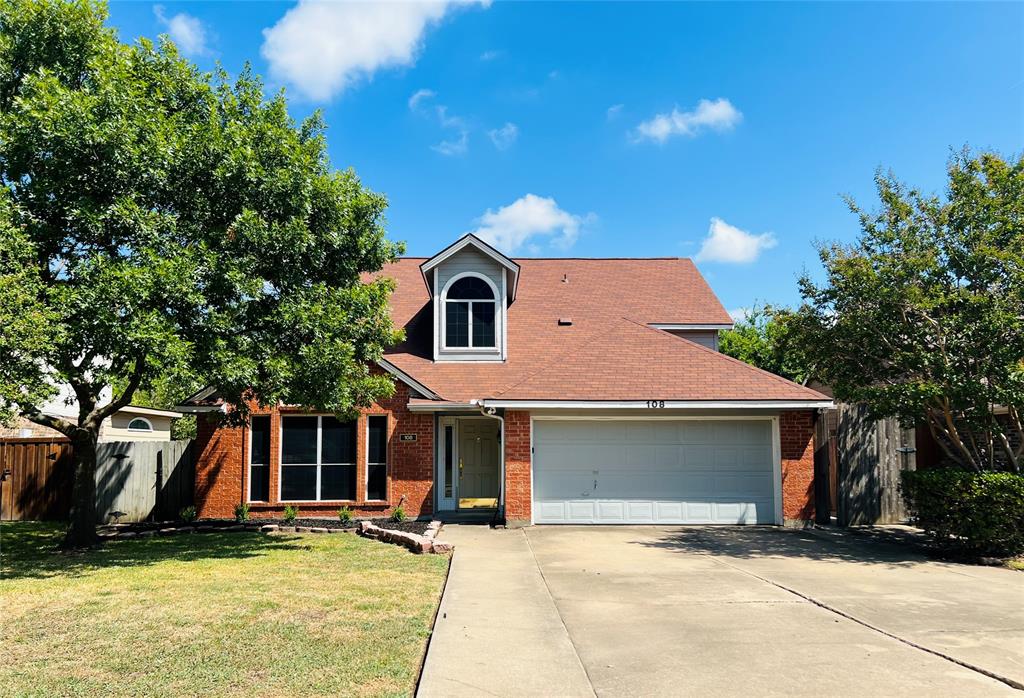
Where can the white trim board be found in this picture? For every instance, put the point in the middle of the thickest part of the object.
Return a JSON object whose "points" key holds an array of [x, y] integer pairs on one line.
{"points": [[662, 404], [690, 326]]}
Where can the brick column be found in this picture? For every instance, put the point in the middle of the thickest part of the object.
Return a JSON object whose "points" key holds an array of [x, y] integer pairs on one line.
{"points": [[218, 458], [518, 497], [796, 439]]}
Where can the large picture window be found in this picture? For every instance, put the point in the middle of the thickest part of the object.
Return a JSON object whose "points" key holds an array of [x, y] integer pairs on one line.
{"points": [[318, 459], [377, 458], [470, 309], [259, 459]]}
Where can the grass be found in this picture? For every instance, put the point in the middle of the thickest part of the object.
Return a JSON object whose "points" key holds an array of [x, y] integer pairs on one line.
{"points": [[1016, 563], [232, 614]]}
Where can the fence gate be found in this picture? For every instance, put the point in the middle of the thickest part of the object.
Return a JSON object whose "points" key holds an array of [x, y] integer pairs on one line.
{"points": [[39, 486], [870, 456]]}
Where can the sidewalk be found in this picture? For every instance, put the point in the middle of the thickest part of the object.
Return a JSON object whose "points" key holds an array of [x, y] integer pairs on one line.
{"points": [[498, 632]]}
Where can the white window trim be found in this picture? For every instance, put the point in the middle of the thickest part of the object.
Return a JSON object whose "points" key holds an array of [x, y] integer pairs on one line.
{"points": [[387, 469], [499, 316], [149, 425], [281, 465], [248, 473]]}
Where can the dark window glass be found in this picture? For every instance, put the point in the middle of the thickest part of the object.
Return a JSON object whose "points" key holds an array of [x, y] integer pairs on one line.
{"points": [[449, 462], [298, 440], [339, 441], [377, 458], [456, 324], [260, 440], [298, 482], [338, 482], [471, 287], [259, 483], [483, 324], [378, 442]]}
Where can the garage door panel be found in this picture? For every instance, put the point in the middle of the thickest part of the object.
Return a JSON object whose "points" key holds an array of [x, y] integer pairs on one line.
{"points": [[659, 471]]}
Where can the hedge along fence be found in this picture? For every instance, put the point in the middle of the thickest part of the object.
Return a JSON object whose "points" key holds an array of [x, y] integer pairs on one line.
{"points": [[976, 513]]}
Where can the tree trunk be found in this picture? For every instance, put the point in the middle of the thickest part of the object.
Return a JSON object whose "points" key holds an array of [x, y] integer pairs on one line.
{"points": [[82, 531]]}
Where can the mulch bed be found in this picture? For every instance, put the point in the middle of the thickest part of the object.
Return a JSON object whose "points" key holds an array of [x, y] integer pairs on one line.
{"points": [[417, 527]]}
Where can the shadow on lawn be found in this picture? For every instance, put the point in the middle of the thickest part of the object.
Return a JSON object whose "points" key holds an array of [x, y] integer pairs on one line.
{"points": [[762, 542], [29, 549]]}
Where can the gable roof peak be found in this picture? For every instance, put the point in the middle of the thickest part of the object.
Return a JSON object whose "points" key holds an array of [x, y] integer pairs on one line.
{"points": [[471, 240]]}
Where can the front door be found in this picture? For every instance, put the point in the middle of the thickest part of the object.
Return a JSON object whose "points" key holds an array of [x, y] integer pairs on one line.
{"points": [[478, 463]]}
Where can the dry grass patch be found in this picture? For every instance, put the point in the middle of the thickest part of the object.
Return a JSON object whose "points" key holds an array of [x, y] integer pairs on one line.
{"points": [[213, 614]]}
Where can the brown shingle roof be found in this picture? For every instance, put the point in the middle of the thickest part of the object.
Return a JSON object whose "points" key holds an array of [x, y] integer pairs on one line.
{"points": [[608, 353]]}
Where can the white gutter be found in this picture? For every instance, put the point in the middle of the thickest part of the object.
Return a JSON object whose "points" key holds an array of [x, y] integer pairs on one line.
{"points": [[444, 407], [492, 413], [660, 404]]}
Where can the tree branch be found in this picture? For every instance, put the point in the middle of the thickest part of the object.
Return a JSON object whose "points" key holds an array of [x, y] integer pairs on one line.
{"points": [[62, 425], [125, 398]]}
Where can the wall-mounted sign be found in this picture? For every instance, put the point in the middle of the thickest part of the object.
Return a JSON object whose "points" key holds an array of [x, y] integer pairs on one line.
{"points": [[407, 437]]}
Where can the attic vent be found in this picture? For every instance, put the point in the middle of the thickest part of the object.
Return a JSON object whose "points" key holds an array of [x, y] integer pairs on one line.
{"points": [[564, 321]]}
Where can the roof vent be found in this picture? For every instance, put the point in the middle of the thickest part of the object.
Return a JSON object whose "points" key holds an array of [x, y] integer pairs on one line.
{"points": [[564, 321]]}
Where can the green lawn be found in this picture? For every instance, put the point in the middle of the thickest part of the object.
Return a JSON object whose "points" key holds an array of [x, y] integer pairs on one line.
{"points": [[213, 614]]}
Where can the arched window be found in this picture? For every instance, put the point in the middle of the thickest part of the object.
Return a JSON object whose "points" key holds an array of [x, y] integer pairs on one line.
{"points": [[140, 424], [470, 308]]}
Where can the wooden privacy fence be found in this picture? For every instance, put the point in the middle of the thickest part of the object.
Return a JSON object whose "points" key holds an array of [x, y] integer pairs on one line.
{"points": [[868, 457], [142, 479]]}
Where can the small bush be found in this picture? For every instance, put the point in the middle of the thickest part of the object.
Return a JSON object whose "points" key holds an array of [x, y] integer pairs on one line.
{"points": [[290, 514], [188, 514], [242, 512], [398, 515], [975, 513], [345, 516]]}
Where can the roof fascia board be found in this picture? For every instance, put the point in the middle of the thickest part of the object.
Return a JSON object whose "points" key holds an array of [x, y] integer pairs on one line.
{"points": [[461, 244], [150, 411], [199, 409], [444, 407], [691, 325], [661, 404]]}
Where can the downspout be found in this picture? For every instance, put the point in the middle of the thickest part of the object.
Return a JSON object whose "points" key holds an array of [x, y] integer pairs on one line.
{"points": [[499, 512]]}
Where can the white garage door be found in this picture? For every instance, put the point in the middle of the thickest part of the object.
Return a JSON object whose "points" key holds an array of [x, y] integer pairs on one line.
{"points": [[664, 471]]}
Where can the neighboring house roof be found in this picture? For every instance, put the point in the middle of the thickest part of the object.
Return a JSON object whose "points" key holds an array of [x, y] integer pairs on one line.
{"points": [[612, 350]]}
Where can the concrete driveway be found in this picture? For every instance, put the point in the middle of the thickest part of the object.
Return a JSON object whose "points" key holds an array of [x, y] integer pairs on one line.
{"points": [[612, 611]]}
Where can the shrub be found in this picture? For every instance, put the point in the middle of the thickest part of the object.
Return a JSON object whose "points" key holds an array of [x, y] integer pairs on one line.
{"points": [[976, 513], [188, 514], [398, 515], [242, 512], [290, 514], [345, 516]]}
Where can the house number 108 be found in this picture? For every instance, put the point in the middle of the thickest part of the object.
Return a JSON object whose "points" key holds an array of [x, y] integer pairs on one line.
{"points": [[655, 404]]}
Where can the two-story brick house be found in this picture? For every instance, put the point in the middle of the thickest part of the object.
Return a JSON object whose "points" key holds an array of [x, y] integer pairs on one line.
{"points": [[546, 390]]}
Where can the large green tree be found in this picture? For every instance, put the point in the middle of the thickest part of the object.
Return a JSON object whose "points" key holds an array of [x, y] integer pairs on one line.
{"points": [[762, 338], [156, 220], [923, 318]]}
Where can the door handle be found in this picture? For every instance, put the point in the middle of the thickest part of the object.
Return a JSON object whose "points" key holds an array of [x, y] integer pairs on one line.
{"points": [[460, 468]]}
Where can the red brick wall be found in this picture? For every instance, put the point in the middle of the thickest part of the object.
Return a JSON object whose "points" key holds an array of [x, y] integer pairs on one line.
{"points": [[222, 452], [796, 438], [517, 467]]}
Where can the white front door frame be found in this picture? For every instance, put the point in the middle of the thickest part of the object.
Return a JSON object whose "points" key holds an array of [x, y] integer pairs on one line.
{"points": [[441, 475]]}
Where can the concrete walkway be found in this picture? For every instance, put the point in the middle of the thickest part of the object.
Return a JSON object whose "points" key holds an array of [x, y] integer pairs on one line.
{"points": [[553, 611], [498, 632]]}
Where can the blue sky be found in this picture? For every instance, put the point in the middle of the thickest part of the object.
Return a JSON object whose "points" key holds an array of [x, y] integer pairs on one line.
{"points": [[725, 132]]}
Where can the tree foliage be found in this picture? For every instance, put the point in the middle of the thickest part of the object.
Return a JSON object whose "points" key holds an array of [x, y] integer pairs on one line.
{"points": [[763, 338], [923, 318], [160, 221]]}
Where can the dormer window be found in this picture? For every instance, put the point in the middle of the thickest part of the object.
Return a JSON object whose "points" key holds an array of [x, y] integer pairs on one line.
{"points": [[469, 313], [471, 287]]}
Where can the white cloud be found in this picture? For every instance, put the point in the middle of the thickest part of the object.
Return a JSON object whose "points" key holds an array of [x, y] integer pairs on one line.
{"points": [[504, 137], [728, 244], [185, 30], [614, 111], [457, 146], [739, 314], [528, 219], [490, 55], [718, 115], [322, 48], [420, 96]]}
